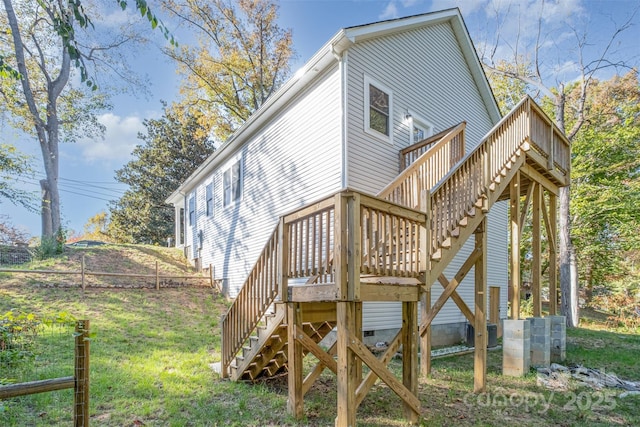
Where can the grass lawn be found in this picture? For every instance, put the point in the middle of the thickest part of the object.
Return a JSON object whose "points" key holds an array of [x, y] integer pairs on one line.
{"points": [[151, 353]]}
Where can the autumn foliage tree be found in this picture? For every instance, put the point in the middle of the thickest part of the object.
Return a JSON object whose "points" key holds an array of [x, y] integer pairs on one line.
{"points": [[532, 51], [240, 58], [606, 180]]}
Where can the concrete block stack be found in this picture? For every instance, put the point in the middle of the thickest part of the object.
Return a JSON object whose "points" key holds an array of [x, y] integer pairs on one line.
{"points": [[540, 341], [516, 347], [558, 338]]}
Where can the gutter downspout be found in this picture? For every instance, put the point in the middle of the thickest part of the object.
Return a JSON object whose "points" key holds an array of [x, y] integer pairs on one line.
{"points": [[342, 58]]}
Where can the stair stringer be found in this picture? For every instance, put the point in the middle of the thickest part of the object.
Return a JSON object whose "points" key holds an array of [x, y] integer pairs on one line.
{"points": [[267, 351], [271, 337]]}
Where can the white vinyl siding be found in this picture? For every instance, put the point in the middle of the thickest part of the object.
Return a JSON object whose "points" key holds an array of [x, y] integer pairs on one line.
{"points": [[292, 161], [429, 78], [428, 75]]}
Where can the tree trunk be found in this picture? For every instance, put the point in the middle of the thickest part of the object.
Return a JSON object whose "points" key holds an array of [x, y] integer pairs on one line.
{"points": [[47, 225], [568, 267], [568, 270]]}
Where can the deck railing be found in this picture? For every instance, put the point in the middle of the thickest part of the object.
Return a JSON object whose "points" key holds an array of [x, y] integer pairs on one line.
{"points": [[256, 296], [548, 141], [462, 188], [348, 234], [309, 235], [427, 169], [391, 238], [411, 153]]}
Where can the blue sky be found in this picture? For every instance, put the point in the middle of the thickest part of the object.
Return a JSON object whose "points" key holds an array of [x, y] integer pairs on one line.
{"points": [[87, 167]]}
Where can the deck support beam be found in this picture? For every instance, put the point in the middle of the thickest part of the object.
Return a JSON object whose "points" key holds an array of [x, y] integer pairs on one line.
{"points": [[347, 371], [411, 401], [410, 358], [371, 377], [514, 255], [480, 325], [449, 289], [295, 404], [315, 373], [552, 227], [425, 339], [536, 251]]}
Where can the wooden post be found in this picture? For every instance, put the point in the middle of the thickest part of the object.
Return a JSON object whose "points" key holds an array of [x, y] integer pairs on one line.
{"points": [[82, 267], [283, 260], [553, 255], [425, 339], [425, 263], [514, 257], [340, 242], [551, 159], [358, 330], [81, 392], [224, 370], [494, 308], [295, 404], [157, 277], [347, 373], [480, 324], [210, 275], [410, 354], [488, 172], [536, 252], [354, 251], [425, 237]]}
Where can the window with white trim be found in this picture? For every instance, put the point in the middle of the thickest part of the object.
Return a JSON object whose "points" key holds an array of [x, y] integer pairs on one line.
{"points": [[420, 129], [192, 210], [209, 195], [378, 109], [232, 182]]}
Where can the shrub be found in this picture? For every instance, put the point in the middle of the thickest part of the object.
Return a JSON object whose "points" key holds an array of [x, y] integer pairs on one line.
{"points": [[17, 335], [51, 246]]}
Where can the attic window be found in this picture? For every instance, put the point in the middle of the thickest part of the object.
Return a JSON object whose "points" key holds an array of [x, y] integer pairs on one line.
{"points": [[378, 108], [232, 182]]}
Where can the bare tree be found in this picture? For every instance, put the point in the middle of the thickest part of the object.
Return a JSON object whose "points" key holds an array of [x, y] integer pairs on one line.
{"points": [[530, 51]]}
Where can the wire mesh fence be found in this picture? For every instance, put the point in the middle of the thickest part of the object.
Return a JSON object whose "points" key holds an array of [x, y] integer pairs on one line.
{"points": [[14, 255], [40, 352]]}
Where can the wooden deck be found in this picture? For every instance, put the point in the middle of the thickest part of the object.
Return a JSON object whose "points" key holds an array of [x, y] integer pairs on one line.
{"points": [[324, 260]]}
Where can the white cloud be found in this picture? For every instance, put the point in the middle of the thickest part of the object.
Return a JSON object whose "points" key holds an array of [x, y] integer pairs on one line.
{"points": [[389, 12], [119, 140], [467, 7]]}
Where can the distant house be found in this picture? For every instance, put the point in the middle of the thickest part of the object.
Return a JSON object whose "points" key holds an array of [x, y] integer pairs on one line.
{"points": [[341, 122]]}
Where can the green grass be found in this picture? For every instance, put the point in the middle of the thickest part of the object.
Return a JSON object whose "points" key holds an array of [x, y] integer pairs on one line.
{"points": [[150, 366]]}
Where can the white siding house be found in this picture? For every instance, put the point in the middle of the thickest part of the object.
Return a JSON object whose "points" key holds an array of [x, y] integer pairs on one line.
{"points": [[340, 122]]}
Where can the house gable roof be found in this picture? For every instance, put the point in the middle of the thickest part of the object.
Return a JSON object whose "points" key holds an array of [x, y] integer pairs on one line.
{"points": [[327, 56]]}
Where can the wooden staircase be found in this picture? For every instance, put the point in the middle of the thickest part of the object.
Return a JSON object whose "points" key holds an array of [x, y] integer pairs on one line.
{"points": [[392, 245], [265, 354]]}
